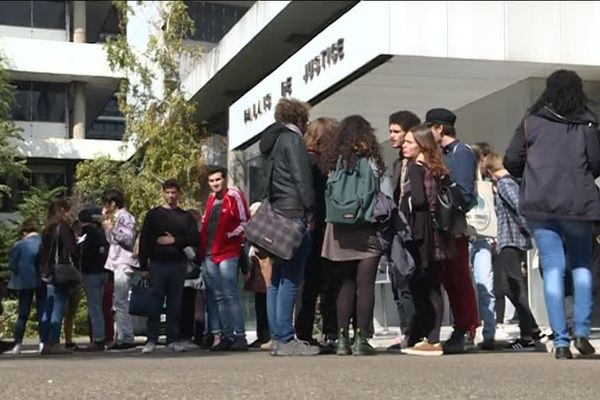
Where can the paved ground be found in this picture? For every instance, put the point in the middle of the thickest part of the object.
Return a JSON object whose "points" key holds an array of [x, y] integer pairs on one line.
{"points": [[256, 375]]}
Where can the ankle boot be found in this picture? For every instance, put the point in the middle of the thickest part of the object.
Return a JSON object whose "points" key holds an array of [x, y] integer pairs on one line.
{"points": [[343, 343], [362, 346]]}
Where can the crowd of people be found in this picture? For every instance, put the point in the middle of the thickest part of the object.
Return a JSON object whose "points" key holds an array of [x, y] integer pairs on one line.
{"points": [[412, 219]]}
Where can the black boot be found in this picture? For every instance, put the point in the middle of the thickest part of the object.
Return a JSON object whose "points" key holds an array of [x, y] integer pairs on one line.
{"points": [[343, 343], [199, 333], [362, 346]]}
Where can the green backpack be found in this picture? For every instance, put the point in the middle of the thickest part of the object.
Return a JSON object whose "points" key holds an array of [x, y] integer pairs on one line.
{"points": [[350, 195]]}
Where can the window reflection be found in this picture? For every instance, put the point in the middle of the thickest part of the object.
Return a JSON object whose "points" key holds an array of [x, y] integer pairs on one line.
{"points": [[34, 14]]}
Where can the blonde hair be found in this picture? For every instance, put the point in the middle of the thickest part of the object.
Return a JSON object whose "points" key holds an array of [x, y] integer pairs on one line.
{"points": [[494, 162]]}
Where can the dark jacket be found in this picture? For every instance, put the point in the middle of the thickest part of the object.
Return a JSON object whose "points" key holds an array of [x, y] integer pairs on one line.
{"points": [[291, 188], [558, 159], [319, 184], [93, 249], [58, 244]]}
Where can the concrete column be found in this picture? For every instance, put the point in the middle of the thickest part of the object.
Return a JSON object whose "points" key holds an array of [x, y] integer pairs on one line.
{"points": [[79, 22], [79, 107]]}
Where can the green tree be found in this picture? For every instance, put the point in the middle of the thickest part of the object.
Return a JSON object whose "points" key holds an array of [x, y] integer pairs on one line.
{"points": [[163, 128], [10, 163]]}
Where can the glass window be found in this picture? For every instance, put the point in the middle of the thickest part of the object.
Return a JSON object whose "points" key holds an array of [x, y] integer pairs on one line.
{"points": [[15, 13], [256, 180], [48, 102], [213, 20], [39, 101], [49, 14]]}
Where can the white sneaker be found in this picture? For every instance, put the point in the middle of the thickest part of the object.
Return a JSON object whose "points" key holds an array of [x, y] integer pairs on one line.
{"points": [[501, 334], [41, 347], [149, 348], [189, 345], [16, 349], [176, 347]]}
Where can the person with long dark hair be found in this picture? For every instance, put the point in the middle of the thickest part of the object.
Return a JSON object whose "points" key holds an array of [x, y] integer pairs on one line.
{"points": [[58, 246], [556, 152], [318, 277], [425, 170], [354, 248]]}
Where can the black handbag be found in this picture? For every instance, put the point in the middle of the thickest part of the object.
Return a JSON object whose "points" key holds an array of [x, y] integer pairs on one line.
{"points": [[144, 301], [64, 276]]}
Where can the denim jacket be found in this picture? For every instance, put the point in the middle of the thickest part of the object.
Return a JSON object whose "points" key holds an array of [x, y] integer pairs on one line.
{"points": [[23, 264]]}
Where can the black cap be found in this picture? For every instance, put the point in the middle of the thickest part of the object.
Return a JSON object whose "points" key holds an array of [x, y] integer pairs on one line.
{"points": [[440, 116]]}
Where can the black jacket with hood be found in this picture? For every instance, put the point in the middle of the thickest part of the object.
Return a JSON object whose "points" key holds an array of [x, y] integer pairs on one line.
{"points": [[291, 190], [558, 159]]}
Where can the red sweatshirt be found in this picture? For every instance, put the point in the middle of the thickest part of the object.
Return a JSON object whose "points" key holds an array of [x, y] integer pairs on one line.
{"points": [[229, 234]]}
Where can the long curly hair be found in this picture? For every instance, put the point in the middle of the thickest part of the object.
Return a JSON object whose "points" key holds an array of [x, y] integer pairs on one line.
{"points": [[563, 94], [434, 160], [355, 139]]}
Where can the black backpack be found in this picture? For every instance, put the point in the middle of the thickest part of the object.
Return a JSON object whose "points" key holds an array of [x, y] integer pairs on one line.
{"points": [[450, 203]]}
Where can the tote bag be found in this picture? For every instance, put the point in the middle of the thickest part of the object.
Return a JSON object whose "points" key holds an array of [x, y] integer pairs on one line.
{"points": [[481, 219]]}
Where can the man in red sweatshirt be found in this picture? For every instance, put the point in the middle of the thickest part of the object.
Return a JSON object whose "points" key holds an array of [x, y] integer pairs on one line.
{"points": [[221, 242]]}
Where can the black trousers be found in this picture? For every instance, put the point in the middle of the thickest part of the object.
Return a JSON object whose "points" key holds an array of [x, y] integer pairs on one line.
{"points": [[426, 288], [357, 293], [186, 320], [262, 321], [319, 282], [509, 262]]}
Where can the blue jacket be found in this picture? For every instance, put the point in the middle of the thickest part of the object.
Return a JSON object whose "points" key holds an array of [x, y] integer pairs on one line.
{"points": [[462, 164], [23, 264]]}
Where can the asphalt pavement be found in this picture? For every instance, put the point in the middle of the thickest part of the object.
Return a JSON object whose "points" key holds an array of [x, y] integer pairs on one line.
{"points": [[200, 374]]}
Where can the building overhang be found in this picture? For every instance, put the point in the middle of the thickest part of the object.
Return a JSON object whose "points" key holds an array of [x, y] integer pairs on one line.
{"points": [[74, 149], [74, 61], [466, 51], [267, 34]]}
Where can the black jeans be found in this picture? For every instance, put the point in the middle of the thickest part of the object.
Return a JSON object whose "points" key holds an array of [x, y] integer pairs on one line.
{"points": [[25, 303], [186, 320], [509, 262], [426, 288], [167, 278], [319, 281], [262, 321]]}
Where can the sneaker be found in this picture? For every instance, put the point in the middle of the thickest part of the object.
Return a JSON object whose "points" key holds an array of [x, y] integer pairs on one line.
{"points": [[296, 347], [239, 344], [189, 344], [400, 344], [176, 347], [122, 346], [16, 350], [57, 349], [149, 348], [584, 346], [521, 345], [488, 344], [501, 334], [456, 343], [93, 347], [563, 353], [223, 345], [274, 346], [425, 349]]}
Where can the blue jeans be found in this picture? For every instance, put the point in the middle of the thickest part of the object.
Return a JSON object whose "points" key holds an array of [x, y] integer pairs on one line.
{"points": [[25, 302], [552, 236], [167, 278], [212, 309], [52, 318], [94, 291], [222, 279], [286, 279], [481, 260]]}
